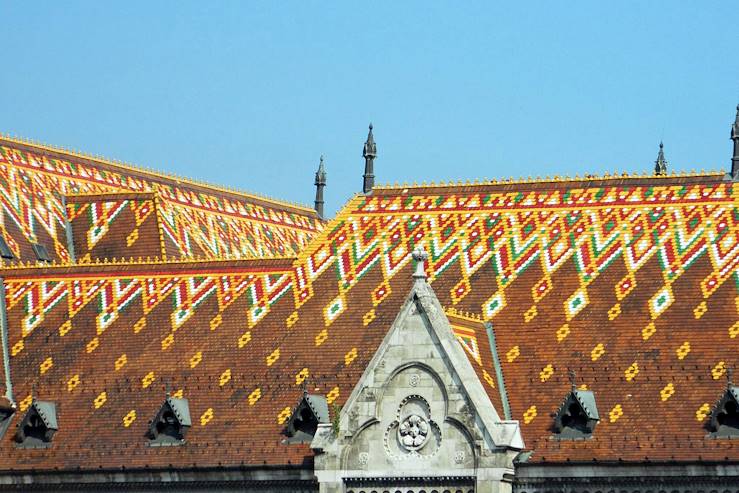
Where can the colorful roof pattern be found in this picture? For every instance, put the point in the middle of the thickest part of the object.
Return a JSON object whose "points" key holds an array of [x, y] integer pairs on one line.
{"points": [[631, 283], [197, 220]]}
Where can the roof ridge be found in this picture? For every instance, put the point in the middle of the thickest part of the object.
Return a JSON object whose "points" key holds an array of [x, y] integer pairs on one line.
{"points": [[137, 261], [550, 179], [150, 171]]}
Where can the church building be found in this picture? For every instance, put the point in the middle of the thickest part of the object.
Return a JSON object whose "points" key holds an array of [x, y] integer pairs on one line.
{"points": [[556, 334]]}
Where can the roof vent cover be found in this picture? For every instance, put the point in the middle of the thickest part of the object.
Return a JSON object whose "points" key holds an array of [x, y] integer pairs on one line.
{"points": [[724, 422], [577, 416], [38, 426], [171, 423], [311, 411]]}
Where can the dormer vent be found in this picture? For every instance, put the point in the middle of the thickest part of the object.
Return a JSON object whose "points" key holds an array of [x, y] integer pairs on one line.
{"points": [[724, 422], [577, 416], [42, 254], [38, 426], [311, 411], [171, 423]]}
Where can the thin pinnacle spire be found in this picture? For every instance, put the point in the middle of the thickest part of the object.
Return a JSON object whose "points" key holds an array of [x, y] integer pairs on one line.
{"points": [[660, 165]]}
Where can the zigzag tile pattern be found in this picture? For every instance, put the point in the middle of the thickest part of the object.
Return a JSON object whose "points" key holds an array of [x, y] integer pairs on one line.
{"points": [[633, 286], [199, 222]]}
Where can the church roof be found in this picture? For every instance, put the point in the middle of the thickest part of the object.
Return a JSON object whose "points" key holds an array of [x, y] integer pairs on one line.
{"points": [[630, 281], [196, 219]]}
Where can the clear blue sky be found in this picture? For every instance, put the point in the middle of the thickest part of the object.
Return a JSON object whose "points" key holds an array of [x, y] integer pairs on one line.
{"points": [[251, 93]]}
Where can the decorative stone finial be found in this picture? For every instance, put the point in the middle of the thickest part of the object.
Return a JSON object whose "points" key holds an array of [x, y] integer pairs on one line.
{"points": [[660, 165], [320, 183], [573, 376], [735, 138], [369, 153], [730, 370], [420, 256]]}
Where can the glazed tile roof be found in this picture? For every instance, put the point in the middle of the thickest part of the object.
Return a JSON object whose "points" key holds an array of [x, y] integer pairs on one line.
{"points": [[631, 283], [197, 220]]}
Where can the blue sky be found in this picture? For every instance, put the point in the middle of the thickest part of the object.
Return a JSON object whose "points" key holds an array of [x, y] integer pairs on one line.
{"points": [[250, 94]]}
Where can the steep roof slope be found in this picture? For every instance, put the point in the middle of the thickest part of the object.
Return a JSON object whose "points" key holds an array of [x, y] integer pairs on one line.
{"points": [[197, 220], [630, 282]]}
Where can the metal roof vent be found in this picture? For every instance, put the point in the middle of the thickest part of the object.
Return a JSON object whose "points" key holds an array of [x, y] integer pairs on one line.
{"points": [[42, 254], [311, 411], [171, 423], [724, 421], [38, 426], [5, 251], [577, 416]]}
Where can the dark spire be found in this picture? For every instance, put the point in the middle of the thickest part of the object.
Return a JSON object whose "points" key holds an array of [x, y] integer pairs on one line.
{"points": [[369, 153], [735, 138], [320, 184], [660, 165]]}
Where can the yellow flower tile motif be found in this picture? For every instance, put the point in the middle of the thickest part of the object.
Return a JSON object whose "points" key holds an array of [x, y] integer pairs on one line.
{"points": [[512, 354], [368, 317], [530, 314], [683, 350], [46, 365], [700, 310], [167, 342], [255, 396], [615, 413], [719, 370], [195, 359], [632, 371], [576, 303], [206, 417], [488, 378], [614, 312], [17, 348], [139, 326], [321, 337], [273, 356], [529, 415], [648, 331], [73, 382], [120, 362], [562, 332], [284, 415], [178, 393], [661, 301], [25, 403], [244, 339], [546, 372], [129, 418], [100, 400], [667, 392], [734, 331], [301, 376], [702, 412], [65, 328], [132, 237], [350, 356], [92, 345], [216, 322], [291, 320], [225, 377], [598, 351], [332, 395], [583, 386], [148, 379]]}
